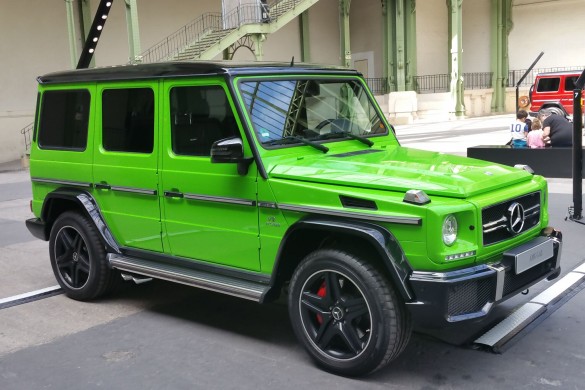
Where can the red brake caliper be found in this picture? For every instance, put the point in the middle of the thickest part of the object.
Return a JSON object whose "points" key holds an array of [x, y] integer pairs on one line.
{"points": [[321, 292]]}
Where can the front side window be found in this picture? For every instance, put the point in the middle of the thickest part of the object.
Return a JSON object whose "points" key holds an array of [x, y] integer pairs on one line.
{"points": [[64, 119], [200, 116], [284, 111], [128, 120], [549, 84]]}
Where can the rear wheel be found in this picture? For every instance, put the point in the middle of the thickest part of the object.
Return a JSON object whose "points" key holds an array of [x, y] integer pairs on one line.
{"points": [[346, 314], [556, 110], [78, 258]]}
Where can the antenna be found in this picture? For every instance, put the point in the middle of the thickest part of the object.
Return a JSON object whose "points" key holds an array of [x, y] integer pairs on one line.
{"points": [[292, 62]]}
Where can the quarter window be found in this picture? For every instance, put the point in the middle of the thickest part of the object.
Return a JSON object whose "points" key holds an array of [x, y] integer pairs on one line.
{"points": [[128, 120], [64, 120]]}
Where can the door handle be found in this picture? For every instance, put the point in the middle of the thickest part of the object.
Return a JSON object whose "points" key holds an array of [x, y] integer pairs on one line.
{"points": [[173, 194], [102, 186]]}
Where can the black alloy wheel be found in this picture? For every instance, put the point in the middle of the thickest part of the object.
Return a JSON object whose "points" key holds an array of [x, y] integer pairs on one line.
{"points": [[78, 258], [346, 314], [72, 257], [335, 315]]}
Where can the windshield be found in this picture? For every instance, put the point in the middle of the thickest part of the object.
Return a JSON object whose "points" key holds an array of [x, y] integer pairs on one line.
{"points": [[292, 111]]}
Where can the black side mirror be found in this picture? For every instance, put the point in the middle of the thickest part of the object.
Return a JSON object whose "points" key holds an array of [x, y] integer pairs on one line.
{"points": [[231, 150]]}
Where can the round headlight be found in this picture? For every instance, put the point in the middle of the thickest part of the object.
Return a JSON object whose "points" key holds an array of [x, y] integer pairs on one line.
{"points": [[449, 230]]}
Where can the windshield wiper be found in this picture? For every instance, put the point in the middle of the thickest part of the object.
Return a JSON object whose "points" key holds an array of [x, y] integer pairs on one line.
{"points": [[293, 138], [349, 134]]}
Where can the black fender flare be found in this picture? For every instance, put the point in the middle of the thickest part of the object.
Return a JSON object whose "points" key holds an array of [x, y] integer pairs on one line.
{"points": [[386, 245], [86, 202]]}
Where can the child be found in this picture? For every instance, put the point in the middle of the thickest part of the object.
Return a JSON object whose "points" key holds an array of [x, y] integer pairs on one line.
{"points": [[519, 130], [535, 137]]}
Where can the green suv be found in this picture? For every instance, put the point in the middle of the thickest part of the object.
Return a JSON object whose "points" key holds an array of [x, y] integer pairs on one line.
{"points": [[260, 179]]}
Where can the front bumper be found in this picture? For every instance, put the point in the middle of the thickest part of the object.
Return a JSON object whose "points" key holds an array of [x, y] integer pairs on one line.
{"points": [[443, 298]]}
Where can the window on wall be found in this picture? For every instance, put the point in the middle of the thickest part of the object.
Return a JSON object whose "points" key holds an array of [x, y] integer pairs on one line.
{"points": [[128, 120], [548, 84], [64, 120], [200, 116]]}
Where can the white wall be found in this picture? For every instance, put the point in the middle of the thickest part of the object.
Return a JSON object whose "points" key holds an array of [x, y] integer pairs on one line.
{"points": [[431, 37], [556, 27], [367, 34], [324, 32], [31, 43], [476, 35]]}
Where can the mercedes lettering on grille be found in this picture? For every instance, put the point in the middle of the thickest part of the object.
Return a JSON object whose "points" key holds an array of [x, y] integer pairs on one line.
{"points": [[515, 218]]}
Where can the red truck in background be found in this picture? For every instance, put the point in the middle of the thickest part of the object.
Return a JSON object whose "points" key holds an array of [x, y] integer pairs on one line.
{"points": [[554, 91]]}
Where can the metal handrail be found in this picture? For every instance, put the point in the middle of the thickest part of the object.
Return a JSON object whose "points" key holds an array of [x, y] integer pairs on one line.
{"points": [[441, 82], [27, 134], [201, 27]]}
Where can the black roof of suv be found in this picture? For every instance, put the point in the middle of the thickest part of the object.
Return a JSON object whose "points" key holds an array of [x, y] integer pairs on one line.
{"points": [[185, 69]]}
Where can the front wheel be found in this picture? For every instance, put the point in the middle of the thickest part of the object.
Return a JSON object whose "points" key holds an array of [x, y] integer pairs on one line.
{"points": [[346, 314]]}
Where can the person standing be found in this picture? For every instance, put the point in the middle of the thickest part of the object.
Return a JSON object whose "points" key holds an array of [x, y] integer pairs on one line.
{"points": [[557, 130], [518, 130]]}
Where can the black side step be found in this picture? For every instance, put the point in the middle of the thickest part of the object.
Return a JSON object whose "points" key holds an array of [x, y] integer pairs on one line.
{"points": [[224, 284], [527, 316]]}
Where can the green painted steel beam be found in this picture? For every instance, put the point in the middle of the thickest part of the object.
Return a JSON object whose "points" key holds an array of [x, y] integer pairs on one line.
{"points": [[399, 24], [456, 88], [133, 31], [399, 51], [345, 38], [258, 48], [71, 32], [501, 16], [410, 29], [305, 37]]}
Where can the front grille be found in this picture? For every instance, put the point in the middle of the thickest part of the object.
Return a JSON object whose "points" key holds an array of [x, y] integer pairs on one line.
{"points": [[470, 296], [496, 221]]}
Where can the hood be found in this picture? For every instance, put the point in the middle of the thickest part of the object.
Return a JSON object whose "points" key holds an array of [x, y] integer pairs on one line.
{"points": [[401, 169]]}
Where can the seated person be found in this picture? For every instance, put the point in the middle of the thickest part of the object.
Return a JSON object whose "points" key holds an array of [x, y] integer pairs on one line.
{"points": [[557, 130]]}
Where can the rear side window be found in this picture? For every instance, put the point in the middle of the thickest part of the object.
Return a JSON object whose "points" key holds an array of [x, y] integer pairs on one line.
{"points": [[64, 119], [128, 120], [550, 84], [570, 83]]}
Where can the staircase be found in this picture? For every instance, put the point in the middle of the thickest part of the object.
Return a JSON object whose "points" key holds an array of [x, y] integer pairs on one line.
{"points": [[210, 34]]}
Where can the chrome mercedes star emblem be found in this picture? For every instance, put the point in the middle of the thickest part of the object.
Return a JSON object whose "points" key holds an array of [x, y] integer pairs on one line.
{"points": [[515, 218], [337, 313]]}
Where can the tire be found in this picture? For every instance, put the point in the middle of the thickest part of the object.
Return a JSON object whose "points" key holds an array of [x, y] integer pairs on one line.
{"points": [[556, 110], [346, 314], [78, 258]]}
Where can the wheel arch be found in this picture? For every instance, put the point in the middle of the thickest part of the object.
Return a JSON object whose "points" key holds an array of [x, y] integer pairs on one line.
{"points": [[67, 199], [377, 243]]}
